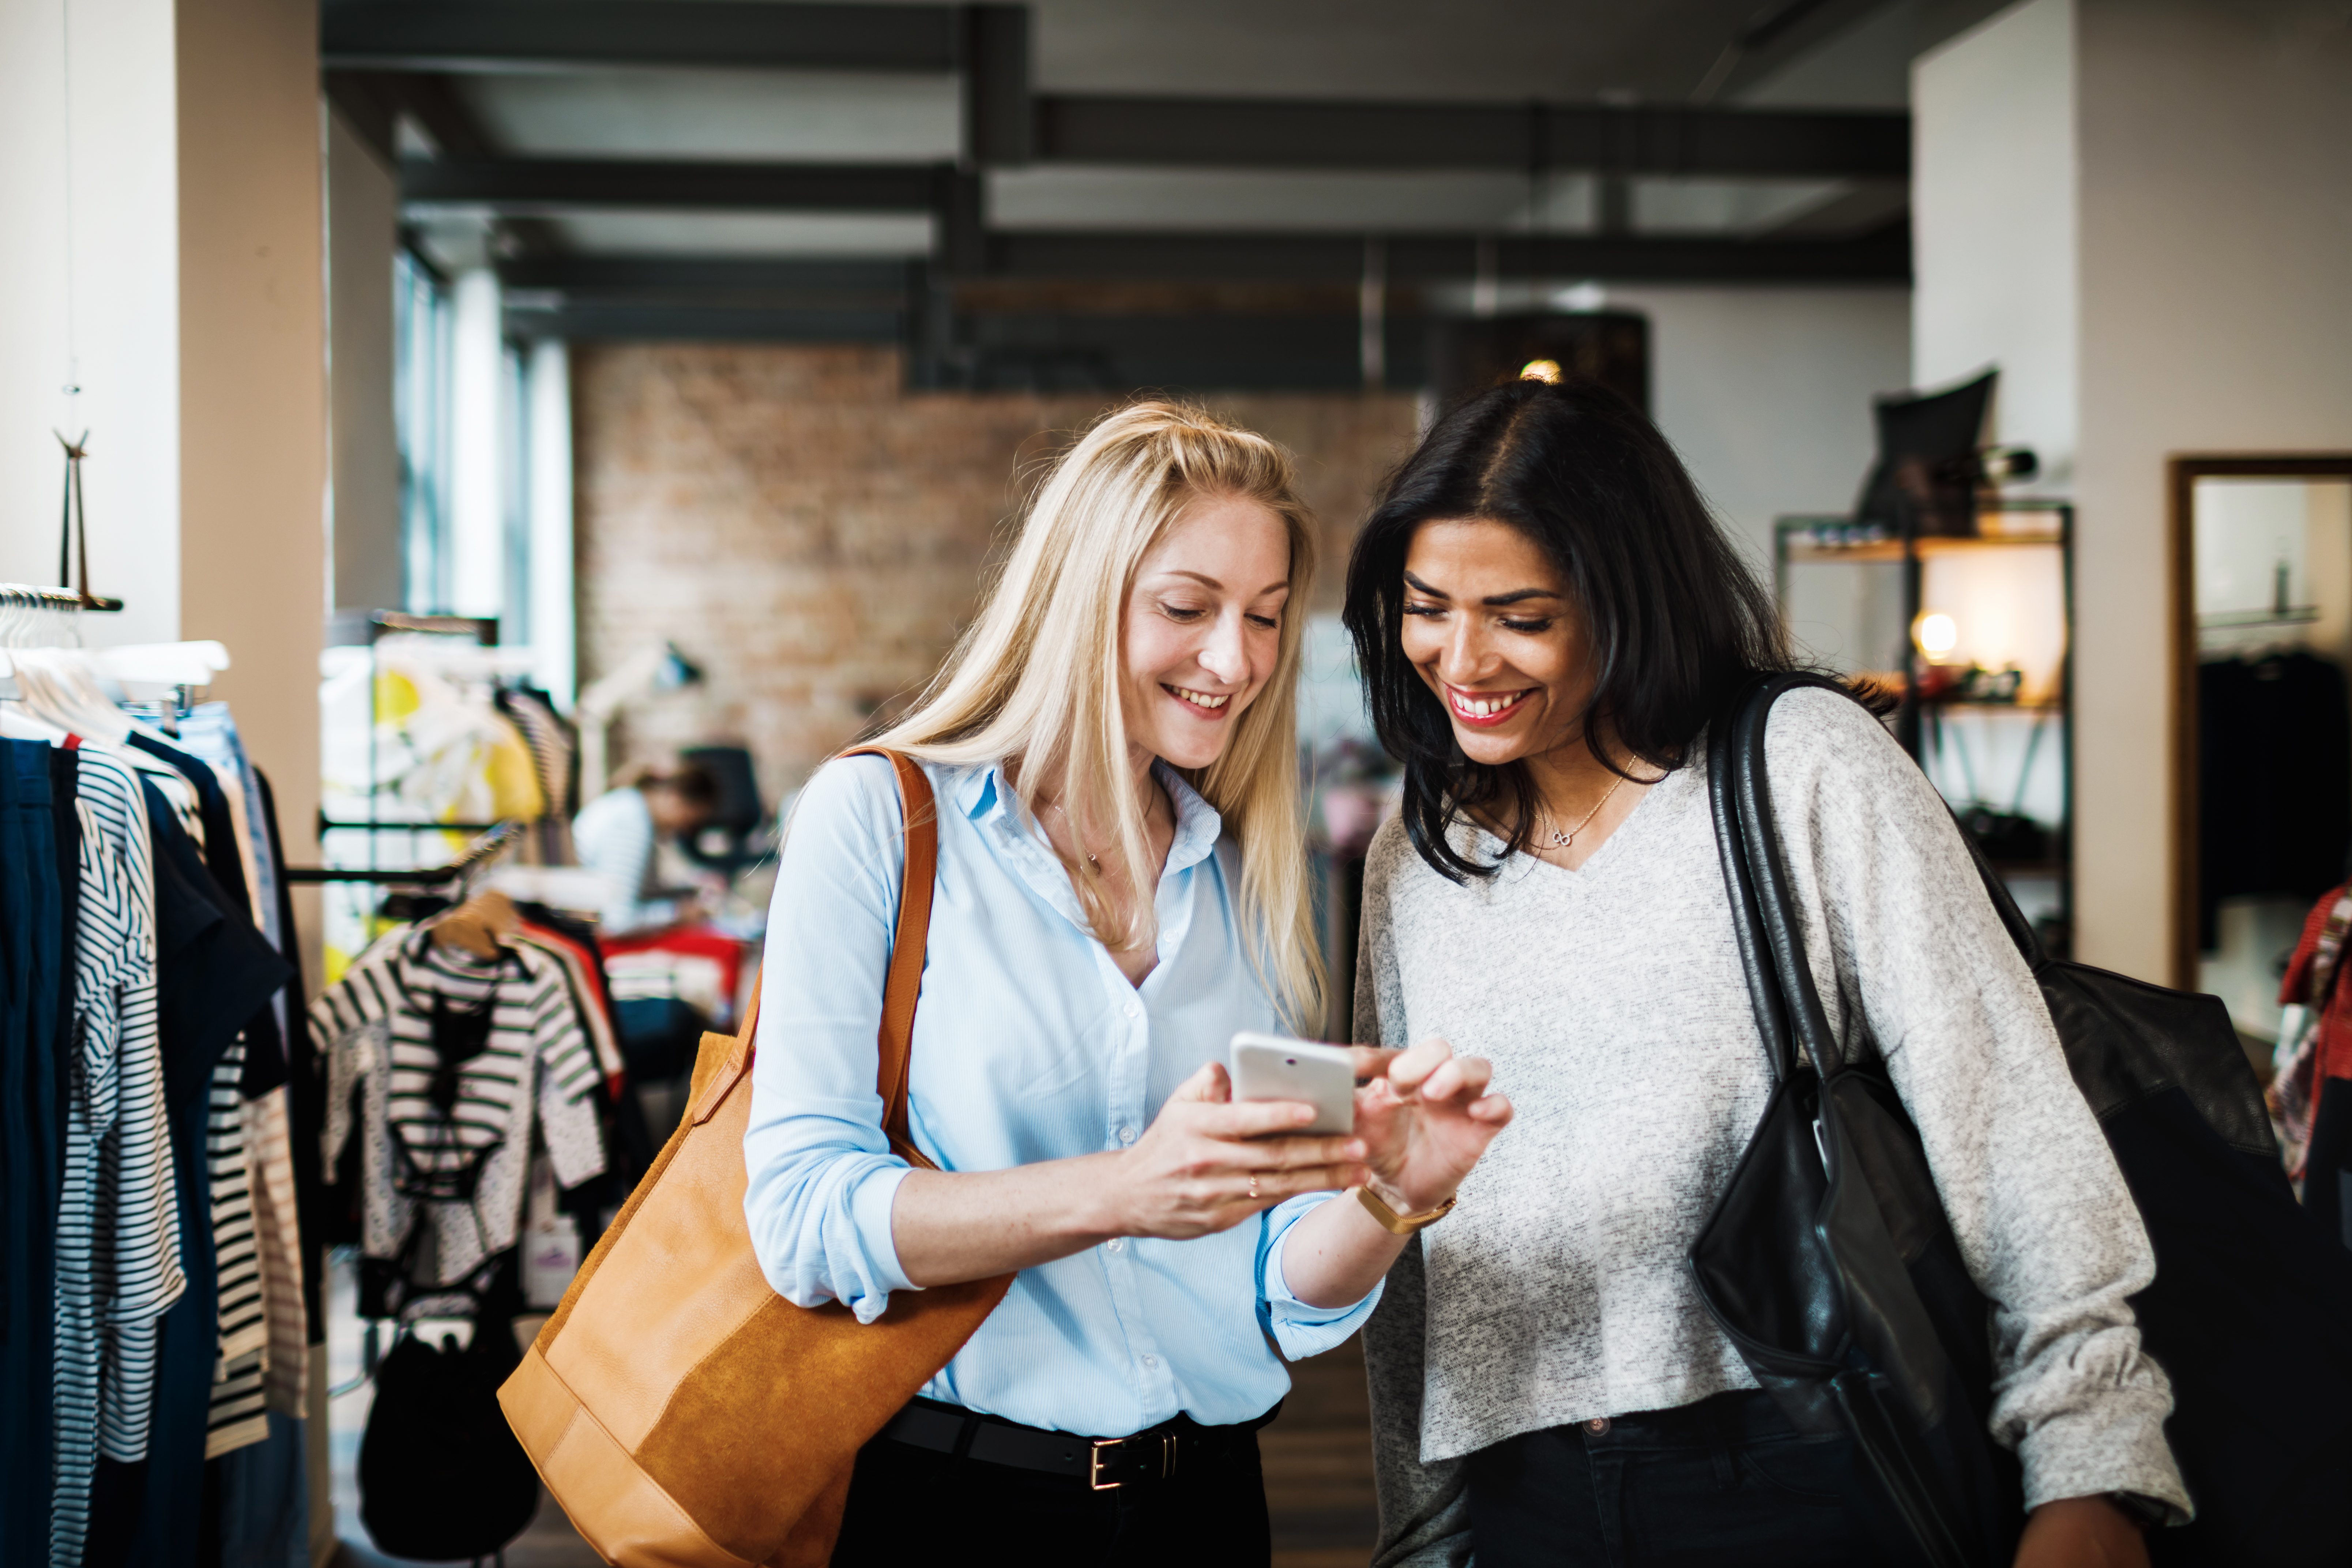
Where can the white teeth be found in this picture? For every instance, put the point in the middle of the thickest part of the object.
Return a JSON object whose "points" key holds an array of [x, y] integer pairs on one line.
{"points": [[1484, 706], [1211, 699]]}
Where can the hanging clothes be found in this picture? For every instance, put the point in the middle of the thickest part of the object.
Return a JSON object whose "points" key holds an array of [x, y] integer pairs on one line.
{"points": [[454, 1061], [118, 1222], [2313, 1089], [555, 749], [33, 937], [215, 973], [209, 734], [583, 973], [2274, 780], [172, 1253]]}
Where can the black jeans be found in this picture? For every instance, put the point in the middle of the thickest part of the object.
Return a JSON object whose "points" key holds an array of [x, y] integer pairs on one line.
{"points": [[910, 1505], [1726, 1480]]}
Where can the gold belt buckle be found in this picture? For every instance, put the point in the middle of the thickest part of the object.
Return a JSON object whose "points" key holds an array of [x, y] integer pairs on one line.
{"points": [[1094, 1464], [1095, 1461]]}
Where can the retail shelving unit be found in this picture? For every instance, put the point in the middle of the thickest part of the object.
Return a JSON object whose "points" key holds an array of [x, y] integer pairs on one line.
{"points": [[2037, 536]]}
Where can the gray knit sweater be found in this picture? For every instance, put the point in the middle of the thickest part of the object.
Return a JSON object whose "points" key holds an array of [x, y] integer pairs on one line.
{"points": [[1611, 1002]]}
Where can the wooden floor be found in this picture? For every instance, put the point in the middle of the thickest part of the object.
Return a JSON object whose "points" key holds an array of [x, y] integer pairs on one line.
{"points": [[1318, 1465]]}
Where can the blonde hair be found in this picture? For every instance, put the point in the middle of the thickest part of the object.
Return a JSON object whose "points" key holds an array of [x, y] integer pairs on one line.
{"points": [[1036, 678]]}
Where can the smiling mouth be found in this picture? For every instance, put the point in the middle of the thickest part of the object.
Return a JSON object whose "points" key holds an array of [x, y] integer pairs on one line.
{"points": [[1208, 704], [1485, 709]]}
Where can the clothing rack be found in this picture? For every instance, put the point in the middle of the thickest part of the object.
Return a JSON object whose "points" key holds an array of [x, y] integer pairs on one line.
{"points": [[481, 850], [23, 596]]}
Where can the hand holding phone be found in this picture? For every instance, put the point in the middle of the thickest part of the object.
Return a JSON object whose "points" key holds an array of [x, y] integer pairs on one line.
{"points": [[1270, 1067]]}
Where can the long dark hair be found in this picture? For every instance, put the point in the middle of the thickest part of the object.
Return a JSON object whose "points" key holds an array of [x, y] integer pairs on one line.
{"points": [[1676, 618]]}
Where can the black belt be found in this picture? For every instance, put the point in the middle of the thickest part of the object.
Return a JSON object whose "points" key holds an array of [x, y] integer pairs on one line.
{"points": [[1105, 1464]]}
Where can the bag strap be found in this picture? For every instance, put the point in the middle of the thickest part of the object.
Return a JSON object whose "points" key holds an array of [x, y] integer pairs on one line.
{"points": [[903, 984], [1764, 913], [917, 877]]}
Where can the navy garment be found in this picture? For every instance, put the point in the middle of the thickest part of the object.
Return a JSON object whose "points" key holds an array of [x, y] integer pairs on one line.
{"points": [[265, 1046], [65, 784], [1727, 1480], [264, 1501], [214, 972], [33, 948]]}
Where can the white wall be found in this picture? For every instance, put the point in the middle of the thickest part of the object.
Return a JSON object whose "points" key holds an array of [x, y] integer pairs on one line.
{"points": [[123, 242], [1765, 392], [1993, 207]]}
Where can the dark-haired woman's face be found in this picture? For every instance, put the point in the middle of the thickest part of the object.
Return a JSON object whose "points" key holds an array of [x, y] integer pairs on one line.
{"points": [[1492, 627]]}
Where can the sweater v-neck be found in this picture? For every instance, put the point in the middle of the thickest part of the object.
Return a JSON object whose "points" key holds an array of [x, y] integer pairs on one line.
{"points": [[1491, 846]]}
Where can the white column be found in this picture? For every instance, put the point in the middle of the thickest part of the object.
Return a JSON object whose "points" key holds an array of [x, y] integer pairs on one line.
{"points": [[476, 448], [553, 634]]}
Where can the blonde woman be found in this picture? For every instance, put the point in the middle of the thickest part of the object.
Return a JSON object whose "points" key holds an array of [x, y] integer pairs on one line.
{"points": [[1122, 886]]}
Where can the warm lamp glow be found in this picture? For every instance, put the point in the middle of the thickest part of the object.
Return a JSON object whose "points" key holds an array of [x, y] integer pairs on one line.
{"points": [[1540, 370], [1936, 633]]}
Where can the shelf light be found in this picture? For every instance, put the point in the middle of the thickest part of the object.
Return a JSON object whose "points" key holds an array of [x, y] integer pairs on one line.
{"points": [[1936, 633], [1540, 370]]}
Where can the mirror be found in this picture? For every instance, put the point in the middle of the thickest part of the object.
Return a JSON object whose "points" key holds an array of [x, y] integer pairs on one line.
{"points": [[2263, 563]]}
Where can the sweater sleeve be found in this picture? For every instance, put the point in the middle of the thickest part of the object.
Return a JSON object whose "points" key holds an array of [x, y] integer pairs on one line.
{"points": [[1424, 1507], [1912, 961]]}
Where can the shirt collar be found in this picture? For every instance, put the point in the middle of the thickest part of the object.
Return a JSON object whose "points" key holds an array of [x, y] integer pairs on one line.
{"points": [[984, 792]]}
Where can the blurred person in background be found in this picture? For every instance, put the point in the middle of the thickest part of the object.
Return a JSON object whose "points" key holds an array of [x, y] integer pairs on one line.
{"points": [[618, 833]]}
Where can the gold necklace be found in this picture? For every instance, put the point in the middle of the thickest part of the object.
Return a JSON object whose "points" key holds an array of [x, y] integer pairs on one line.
{"points": [[1150, 810], [1562, 840]]}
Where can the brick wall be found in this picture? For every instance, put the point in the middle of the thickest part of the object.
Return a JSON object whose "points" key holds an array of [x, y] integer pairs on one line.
{"points": [[813, 536]]}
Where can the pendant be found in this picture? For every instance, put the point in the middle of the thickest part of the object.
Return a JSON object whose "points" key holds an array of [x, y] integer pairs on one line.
{"points": [[1562, 840]]}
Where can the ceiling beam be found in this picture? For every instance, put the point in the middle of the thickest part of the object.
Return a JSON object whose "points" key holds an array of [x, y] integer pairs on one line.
{"points": [[1415, 258], [1262, 134], [881, 282], [1410, 260], [513, 186], [467, 36]]}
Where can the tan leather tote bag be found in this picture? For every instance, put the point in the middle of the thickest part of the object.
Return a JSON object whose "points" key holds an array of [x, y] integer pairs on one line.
{"points": [[684, 1413]]}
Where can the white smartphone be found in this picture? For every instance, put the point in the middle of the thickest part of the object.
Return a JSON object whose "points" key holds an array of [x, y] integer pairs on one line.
{"points": [[1269, 1067]]}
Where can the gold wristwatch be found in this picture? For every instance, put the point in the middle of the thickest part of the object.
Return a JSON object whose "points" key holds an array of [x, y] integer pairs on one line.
{"points": [[1396, 1224]]}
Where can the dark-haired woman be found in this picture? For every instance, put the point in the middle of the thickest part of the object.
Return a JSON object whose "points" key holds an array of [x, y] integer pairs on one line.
{"points": [[1547, 616]]}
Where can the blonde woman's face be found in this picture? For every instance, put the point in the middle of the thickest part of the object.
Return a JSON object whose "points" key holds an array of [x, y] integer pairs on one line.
{"points": [[1204, 627]]}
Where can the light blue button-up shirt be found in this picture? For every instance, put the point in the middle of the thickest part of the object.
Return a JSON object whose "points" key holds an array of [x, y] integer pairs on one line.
{"points": [[1029, 1045]]}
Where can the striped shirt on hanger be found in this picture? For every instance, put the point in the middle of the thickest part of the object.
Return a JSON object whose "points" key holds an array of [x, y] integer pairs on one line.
{"points": [[448, 1121], [118, 1221]]}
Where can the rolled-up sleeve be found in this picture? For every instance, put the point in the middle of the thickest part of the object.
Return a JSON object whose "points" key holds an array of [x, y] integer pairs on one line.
{"points": [[1299, 1330], [821, 1178]]}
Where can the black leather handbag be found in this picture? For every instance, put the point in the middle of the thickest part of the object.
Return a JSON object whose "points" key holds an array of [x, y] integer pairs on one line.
{"points": [[1830, 1264]]}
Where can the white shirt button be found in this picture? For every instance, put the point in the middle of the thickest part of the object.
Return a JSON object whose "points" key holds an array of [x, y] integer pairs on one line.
{"points": [[1115, 1244], [1134, 1011], [1151, 1360], [1127, 1134]]}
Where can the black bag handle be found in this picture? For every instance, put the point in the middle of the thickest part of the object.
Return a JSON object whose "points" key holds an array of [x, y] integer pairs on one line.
{"points": [[1764, 913], [1768, 907]]}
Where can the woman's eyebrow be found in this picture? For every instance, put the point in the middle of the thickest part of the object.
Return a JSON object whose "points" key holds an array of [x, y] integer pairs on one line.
{"points": [[1206, 581], [1516, 596]]}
